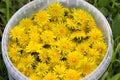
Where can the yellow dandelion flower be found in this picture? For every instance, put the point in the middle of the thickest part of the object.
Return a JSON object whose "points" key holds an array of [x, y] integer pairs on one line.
{"points": [[61, 30], [83, 48], [92, 23], [93, 54], [78, 34], [29, 60], [33, 47], [41, 17], [26, 22], [34, 33], [74, 58], [14, 51], [84, 26], [50, 76], [52, 63], [100, 46], [24, 40], [64, 45], [35, 28], [55, 10], [71, 24], [67, 13], [28, 71], [49, 26], [43, 54], [83, 19], [87, 67], [60, 70], [95, 35], [72, 74], [34, 36], [21, 65], [16, 32], [42, 69], [33, 76], [80, 15], [48, 36], [54, 55]]}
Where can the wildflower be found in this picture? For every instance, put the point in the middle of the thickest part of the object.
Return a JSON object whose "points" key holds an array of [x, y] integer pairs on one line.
{"points": [[43, 55], [42, 69], [24, 40], [100, 46], [92, 23], [93, 54], [25, 23], [55, 10], [80, 15], [54, 55], [67, 13], [48, 36], [20, 64], [83, 48], [33, 76], [16, 32], [29, 60], [41, 17], [87, 67], [50, 76], [60, 70], [74, 58], [78, 34], [14, 50], [33, 47], [71, 24], [64, 45], [72, 74], [28, 71], [34, 36], [35, 28], [49, 26], [84, 26], [61, 30], [95, 35]]}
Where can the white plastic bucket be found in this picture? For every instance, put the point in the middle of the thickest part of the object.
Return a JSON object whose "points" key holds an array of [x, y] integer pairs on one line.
{"points": [[36, 5]]}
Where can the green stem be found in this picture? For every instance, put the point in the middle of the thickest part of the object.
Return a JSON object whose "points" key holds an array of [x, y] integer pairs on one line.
{"points": [[8, 12]]}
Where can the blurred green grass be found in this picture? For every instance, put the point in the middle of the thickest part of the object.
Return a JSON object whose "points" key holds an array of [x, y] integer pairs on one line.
{"points": [[110, 9]]}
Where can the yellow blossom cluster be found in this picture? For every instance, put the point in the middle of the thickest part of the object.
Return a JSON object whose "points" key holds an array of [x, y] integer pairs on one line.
{"points": [[57, 43]]}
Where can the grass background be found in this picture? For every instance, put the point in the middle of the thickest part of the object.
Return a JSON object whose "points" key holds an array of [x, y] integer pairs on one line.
{"points": [[110, 9]]}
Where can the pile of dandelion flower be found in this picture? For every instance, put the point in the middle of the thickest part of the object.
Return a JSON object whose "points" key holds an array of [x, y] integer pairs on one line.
{"points": [[57, 43]]}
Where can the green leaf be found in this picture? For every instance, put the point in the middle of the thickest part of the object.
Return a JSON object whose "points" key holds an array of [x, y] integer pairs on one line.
{"points": [[112, 10], [116, 26], [116, 77], [3, 20], [104, 11], [2, 10], [103, 3], [105, 75]]}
